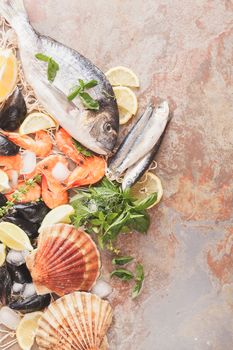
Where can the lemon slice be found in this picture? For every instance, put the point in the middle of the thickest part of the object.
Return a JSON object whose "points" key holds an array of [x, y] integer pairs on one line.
{"points": [[8, 73], [147, 185], [4, 181], [124, 115], [122, 76], [57, 215], [126, 100], [36, 121], [2, 254], [26, 330], [13, 237]]}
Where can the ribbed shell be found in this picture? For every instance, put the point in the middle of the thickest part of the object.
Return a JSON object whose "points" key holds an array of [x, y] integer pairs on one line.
{"points": [[65, 261], [78, 321]]}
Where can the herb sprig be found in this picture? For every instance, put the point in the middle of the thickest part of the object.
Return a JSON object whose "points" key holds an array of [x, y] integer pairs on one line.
{"points": [[80, 91], [108, 211], [16, 196], [82, 149], [53, 66]]}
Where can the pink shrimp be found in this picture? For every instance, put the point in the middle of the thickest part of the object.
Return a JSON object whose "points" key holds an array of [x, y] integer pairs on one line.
{"points": [[53, 199], [41, 145], [11, 162], [66, 145], [32, 195], [89, 172]]}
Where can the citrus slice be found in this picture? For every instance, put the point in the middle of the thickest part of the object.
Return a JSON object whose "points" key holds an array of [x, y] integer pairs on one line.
{"points": [[122, 76], [124, 115], [4, 181], [13, 237], [36, 121], [8, 73], [26, 330], [2, 254], [148, 184], [57, 215], [126, 99]]}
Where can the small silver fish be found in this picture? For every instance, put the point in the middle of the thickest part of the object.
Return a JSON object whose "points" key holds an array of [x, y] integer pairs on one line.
{"points": [[97, 130], [141, 139]]}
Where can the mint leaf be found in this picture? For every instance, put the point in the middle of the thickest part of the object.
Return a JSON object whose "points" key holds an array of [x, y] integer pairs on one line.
{"points": [[123, 260], [88, 101], [53, 66], [79, 90], [138, 281], [42, 57], [123, 274]]}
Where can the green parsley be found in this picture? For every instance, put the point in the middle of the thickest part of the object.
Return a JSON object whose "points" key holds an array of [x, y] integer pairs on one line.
{"points": [[53, 66], [79, 90]]}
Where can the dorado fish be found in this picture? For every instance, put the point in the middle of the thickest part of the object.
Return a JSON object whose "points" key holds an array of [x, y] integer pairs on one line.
{"points": [[95, 129], [140, 140]]}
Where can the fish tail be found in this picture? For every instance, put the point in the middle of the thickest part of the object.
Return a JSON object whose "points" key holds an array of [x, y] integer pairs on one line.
{"points": [[10, 9]]}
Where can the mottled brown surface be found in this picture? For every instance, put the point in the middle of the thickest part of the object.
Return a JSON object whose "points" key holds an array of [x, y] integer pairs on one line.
{"points": [[182, 51]]}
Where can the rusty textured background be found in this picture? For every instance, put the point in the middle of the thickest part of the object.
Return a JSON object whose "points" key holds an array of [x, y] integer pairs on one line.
{"points": [[182, 51]]}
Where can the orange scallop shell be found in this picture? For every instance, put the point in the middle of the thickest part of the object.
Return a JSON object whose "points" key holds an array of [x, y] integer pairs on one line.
{"points": [[65, 261], [77, 321]]}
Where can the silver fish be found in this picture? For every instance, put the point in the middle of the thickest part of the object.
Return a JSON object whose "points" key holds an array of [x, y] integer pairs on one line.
{"points": [[140, 141], [137, 170], [97, 130]]}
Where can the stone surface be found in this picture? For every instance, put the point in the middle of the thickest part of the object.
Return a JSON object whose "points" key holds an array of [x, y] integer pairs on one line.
{"points": [[182, 51]]}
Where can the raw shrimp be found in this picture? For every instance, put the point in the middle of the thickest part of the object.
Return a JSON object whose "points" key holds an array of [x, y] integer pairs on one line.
{"points": [[11, 162], [33, 193], [53, 199], [66, 145], [46, 167], [41, 145], [89, 172]]}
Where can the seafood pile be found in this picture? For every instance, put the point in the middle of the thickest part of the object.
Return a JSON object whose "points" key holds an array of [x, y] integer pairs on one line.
{"points": [[65, 188]]}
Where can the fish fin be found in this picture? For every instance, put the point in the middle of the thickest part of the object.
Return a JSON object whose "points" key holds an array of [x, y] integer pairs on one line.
{"points": [[11, 9]]}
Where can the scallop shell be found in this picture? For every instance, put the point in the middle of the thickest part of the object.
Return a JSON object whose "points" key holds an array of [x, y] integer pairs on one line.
{"points": [[77, 321], [65, 261]]}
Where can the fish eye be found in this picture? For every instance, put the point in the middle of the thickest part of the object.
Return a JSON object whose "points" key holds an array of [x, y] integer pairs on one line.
{"points": [[107, 127]]}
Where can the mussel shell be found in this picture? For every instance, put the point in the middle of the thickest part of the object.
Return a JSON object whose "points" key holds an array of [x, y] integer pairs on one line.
{"points": [[28, 227], [3, 200], [14, 111], [31, 304], [33, 211], [19, 274], [5, 286], [7, 147]]}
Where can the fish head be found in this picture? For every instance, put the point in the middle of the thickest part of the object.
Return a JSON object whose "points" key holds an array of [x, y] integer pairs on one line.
{"points": [[103, 129]]}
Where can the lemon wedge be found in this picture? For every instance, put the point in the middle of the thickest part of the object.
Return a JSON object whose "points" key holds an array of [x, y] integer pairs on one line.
{"points": [[2, 254], [13, 237], [26, 330], [59, 214], [36, 121], [8, 73], [122, 76], [127, 103], [4, 181], [148, 184]]}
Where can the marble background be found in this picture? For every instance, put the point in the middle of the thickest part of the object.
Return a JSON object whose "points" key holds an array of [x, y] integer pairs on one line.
{"points": [[182, 51]]}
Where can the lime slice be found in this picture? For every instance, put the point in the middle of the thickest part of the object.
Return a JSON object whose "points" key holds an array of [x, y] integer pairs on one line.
{"points": [[148, 184], [60, 214], [26, 330], [4, 181], [13, 237], [122, 76], [2, 254], [126, 99], [36, 121]]}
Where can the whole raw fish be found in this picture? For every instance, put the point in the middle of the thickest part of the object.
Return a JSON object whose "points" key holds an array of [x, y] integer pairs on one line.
{"points": [[97, 130]]}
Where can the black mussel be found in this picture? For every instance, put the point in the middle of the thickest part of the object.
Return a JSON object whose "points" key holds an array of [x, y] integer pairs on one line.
{"points": [[5, 286], [33, 211], [31, 304], [29, 228], [14, 112], [3, 200], [7, 147], [19, 274]]}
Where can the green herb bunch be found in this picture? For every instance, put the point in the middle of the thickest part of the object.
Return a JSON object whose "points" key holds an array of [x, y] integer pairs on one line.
{"points": [[107, 211]]}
